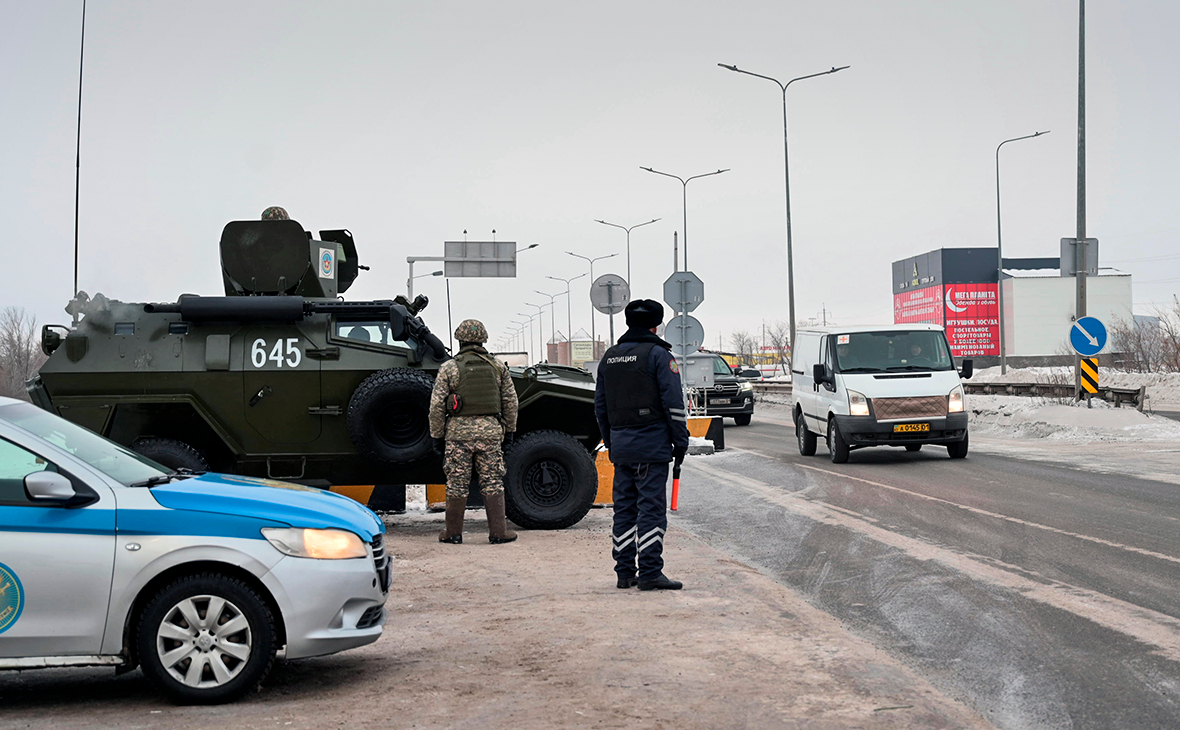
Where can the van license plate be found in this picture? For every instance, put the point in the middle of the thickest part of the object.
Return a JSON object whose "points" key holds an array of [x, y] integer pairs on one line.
{"points": [[720, 401], [911, 427]]}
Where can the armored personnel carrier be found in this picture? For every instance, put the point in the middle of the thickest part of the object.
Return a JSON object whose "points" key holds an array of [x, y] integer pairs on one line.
{"points": [[282, 378]]}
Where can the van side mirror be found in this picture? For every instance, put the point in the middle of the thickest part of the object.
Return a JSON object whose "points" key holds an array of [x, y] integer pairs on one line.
{"points": [[819, 372], [968, 369], [49, 486]]}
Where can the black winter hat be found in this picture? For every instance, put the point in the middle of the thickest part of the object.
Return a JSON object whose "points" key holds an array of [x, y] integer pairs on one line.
{"points": [[644, 313]]}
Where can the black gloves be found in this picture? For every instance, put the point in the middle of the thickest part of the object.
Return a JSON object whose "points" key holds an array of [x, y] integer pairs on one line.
{"points": [[440, 446], [678, 452]]}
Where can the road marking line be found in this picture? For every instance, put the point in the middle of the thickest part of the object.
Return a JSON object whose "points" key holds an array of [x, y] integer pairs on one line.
{"points": [[1142, 624], [1014, 520]]}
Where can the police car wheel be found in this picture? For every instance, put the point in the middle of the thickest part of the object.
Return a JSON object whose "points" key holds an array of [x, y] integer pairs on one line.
{"points": [[170, 453], [550, 480], [206, 639], [388, 416]]}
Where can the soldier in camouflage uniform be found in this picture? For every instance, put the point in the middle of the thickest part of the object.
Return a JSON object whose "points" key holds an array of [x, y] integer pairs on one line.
{"points": [[472, 413], [275, 213]]}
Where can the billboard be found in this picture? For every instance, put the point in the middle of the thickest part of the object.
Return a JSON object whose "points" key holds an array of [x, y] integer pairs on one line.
{"points": [[582, 351], [918, 306], [972, 319]]}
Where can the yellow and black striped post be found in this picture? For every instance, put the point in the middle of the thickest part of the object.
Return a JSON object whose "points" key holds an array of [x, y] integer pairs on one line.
{"points": [[1089, 372]]}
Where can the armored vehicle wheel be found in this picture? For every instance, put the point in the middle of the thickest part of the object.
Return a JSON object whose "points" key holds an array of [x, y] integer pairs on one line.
{"points": [[171, 453], [387, 416], [550, 482], [913, 447]]}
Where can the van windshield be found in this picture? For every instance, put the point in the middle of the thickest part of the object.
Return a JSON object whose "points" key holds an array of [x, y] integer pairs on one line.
{"points": [[892, 351]]}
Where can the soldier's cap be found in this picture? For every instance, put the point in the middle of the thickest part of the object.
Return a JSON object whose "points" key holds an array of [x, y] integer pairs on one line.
{"points": [[275, 213], [471, 330], [644, 313]]}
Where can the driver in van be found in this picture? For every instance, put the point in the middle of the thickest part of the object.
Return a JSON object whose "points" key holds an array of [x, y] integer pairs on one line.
{"points": [[845, 358]]}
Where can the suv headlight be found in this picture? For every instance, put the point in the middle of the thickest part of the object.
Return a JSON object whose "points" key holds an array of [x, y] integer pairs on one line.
{"points": [[301, 542], [858, 405], [745, 386], [955, 400]]}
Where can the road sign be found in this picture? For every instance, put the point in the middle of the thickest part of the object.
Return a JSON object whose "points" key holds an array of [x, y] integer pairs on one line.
{"points": [[1087, 336], [610, 293], [684, 291], [479, 258], [685, 334], [1090, 374]]}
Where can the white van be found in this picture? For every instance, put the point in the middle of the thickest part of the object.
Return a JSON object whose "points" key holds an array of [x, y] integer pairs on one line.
{"points": [[877, 386]]}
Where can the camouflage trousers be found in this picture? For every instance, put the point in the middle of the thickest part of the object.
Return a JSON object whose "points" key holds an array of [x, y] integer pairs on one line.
{"points": [[484, 457]]}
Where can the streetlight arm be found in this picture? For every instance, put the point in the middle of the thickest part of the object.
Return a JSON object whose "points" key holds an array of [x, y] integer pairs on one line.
{"points": [[665, 174], [812, 76], [707, 174], [1017, 139]]}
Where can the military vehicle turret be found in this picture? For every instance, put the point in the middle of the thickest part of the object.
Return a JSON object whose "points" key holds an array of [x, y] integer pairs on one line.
{"points": [[283, 379]]}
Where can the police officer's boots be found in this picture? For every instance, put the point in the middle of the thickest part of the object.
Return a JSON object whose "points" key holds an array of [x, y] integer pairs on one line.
{"points": [[454, 529], [498, 531]]}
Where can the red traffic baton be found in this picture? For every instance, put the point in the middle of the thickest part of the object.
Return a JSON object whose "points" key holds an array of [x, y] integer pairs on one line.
{"points": [[676, 482]]}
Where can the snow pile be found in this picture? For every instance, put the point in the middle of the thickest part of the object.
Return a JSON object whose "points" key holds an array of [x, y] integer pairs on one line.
{"points": [[1019, 417], [1161, 387]]}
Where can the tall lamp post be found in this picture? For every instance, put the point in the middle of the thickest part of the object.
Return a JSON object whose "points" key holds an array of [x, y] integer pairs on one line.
{"points": [[684, 181], [787, 179], [628, 230], [569, 322], [552, 309], [541, 350], [1000, 250], [527, 322], [593, 333]]}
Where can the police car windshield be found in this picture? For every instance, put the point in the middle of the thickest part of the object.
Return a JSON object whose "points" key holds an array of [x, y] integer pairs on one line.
{"points": [[117, 462], [895, 350]]}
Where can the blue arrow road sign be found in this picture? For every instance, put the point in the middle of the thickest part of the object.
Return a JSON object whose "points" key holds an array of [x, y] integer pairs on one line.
{"points": [[1088, 336]]}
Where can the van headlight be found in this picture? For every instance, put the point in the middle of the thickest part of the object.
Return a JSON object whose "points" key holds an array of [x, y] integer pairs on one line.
{"points": [[955, 400], [858, 405], [301, 542]]}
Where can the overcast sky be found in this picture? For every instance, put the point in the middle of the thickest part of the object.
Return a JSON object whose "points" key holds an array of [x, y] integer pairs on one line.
{"points": [[410, 122]]}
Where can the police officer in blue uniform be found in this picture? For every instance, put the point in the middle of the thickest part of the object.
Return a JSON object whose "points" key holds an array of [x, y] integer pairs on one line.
{"points": [[640, 409]]}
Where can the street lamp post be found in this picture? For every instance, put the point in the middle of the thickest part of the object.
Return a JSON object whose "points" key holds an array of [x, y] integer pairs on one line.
{"points": [[569, 335], [1000, 251], [684, 181], [410, 277], [552, 309], [593, 332], [628, 230], [529, 322], [541, 349], [787, 180]]}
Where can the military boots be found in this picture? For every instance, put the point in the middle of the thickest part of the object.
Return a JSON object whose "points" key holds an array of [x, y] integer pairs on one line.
{"points": [[498, 531], [453, 533]]}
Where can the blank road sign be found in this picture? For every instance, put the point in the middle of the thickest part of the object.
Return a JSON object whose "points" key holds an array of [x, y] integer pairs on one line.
{"points": [[684, 291], [479, 258], [609, 293], [685, 334], [1087, 336]]}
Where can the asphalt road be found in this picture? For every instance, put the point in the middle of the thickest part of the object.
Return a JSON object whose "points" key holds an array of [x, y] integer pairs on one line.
{"points": [[1039, 595]]}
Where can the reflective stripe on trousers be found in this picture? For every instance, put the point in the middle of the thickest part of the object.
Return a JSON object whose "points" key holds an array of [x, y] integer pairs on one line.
{"points": [[641, 519]]}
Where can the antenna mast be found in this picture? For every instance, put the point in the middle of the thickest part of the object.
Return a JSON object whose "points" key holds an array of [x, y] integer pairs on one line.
{"points": [[78, 154]]}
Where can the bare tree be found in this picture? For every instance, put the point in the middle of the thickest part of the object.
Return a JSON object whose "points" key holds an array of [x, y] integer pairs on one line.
{"points": [[1150, 344], [743, 346], [20, 352], [779, 335]]}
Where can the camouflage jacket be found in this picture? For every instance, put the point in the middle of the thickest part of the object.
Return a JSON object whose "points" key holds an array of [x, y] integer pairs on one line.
{"points": [[471, 428]]}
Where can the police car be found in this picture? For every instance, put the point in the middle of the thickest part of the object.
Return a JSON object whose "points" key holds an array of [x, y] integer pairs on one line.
{"points": [[107, 558]]}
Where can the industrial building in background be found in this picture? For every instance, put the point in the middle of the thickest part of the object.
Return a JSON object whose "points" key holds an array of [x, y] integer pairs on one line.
{"points": [[958, 288]]}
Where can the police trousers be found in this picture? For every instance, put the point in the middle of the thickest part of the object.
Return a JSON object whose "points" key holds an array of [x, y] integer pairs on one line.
{"points": [[641, 519]]}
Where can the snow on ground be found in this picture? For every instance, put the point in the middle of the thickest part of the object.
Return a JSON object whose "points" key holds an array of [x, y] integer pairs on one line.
{"points": [[1162, 388], [1021, 417]]}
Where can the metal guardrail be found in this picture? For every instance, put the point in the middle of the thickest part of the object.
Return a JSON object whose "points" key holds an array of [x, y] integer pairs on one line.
{"points": [[1117, 396], [771, 387]]}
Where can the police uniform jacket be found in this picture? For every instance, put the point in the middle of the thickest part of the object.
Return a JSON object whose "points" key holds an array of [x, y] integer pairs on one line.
{"points": [[655, 384]]}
